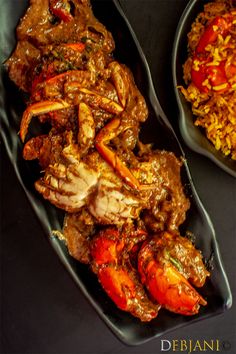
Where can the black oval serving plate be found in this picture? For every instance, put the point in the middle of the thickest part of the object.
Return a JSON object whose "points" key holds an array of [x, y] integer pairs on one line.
{"points": [[158, 130], [192, 135]]}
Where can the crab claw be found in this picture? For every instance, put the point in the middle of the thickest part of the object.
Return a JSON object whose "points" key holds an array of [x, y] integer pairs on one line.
{"points": [[118, 280], [106, 247], [37, 109], [171, 290], [166, 277]]}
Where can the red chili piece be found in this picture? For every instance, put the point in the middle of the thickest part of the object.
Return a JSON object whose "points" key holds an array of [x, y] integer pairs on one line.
{"points": [[218, 26], [215, 74], [61, 9]]}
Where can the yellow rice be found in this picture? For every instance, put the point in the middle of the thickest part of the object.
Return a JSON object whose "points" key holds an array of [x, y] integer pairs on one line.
{"points": [[215, 112]]}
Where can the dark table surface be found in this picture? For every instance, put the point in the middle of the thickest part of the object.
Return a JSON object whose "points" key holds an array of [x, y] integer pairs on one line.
{"points": [[42, 310]]}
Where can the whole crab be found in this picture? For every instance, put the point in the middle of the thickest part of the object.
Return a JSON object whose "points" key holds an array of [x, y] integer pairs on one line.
{"points": [[124, 201]]}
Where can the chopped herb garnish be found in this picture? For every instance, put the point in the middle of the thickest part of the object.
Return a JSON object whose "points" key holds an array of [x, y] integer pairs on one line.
{"points": [[88, 48], [59, 56], [176, 263]]}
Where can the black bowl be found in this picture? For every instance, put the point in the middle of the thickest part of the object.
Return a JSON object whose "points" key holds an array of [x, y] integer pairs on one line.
{"points": [[157, 130], [192, 135]]}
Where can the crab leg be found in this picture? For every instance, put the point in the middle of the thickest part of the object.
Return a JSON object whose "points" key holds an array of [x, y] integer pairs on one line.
{"points": [[121, 83], [102, 101], [78, 75], [36, 109], [110, 131], [86, 124], [73, 78]]}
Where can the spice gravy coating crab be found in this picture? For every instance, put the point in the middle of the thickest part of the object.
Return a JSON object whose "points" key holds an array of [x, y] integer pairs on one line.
{"points": [[124, 201]]}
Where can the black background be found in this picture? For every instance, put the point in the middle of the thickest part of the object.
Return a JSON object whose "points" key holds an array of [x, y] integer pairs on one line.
{"points": [[42, 310]]}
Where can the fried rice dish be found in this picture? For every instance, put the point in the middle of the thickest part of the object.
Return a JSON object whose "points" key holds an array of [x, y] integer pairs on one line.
{"points": [[210, 74]]}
